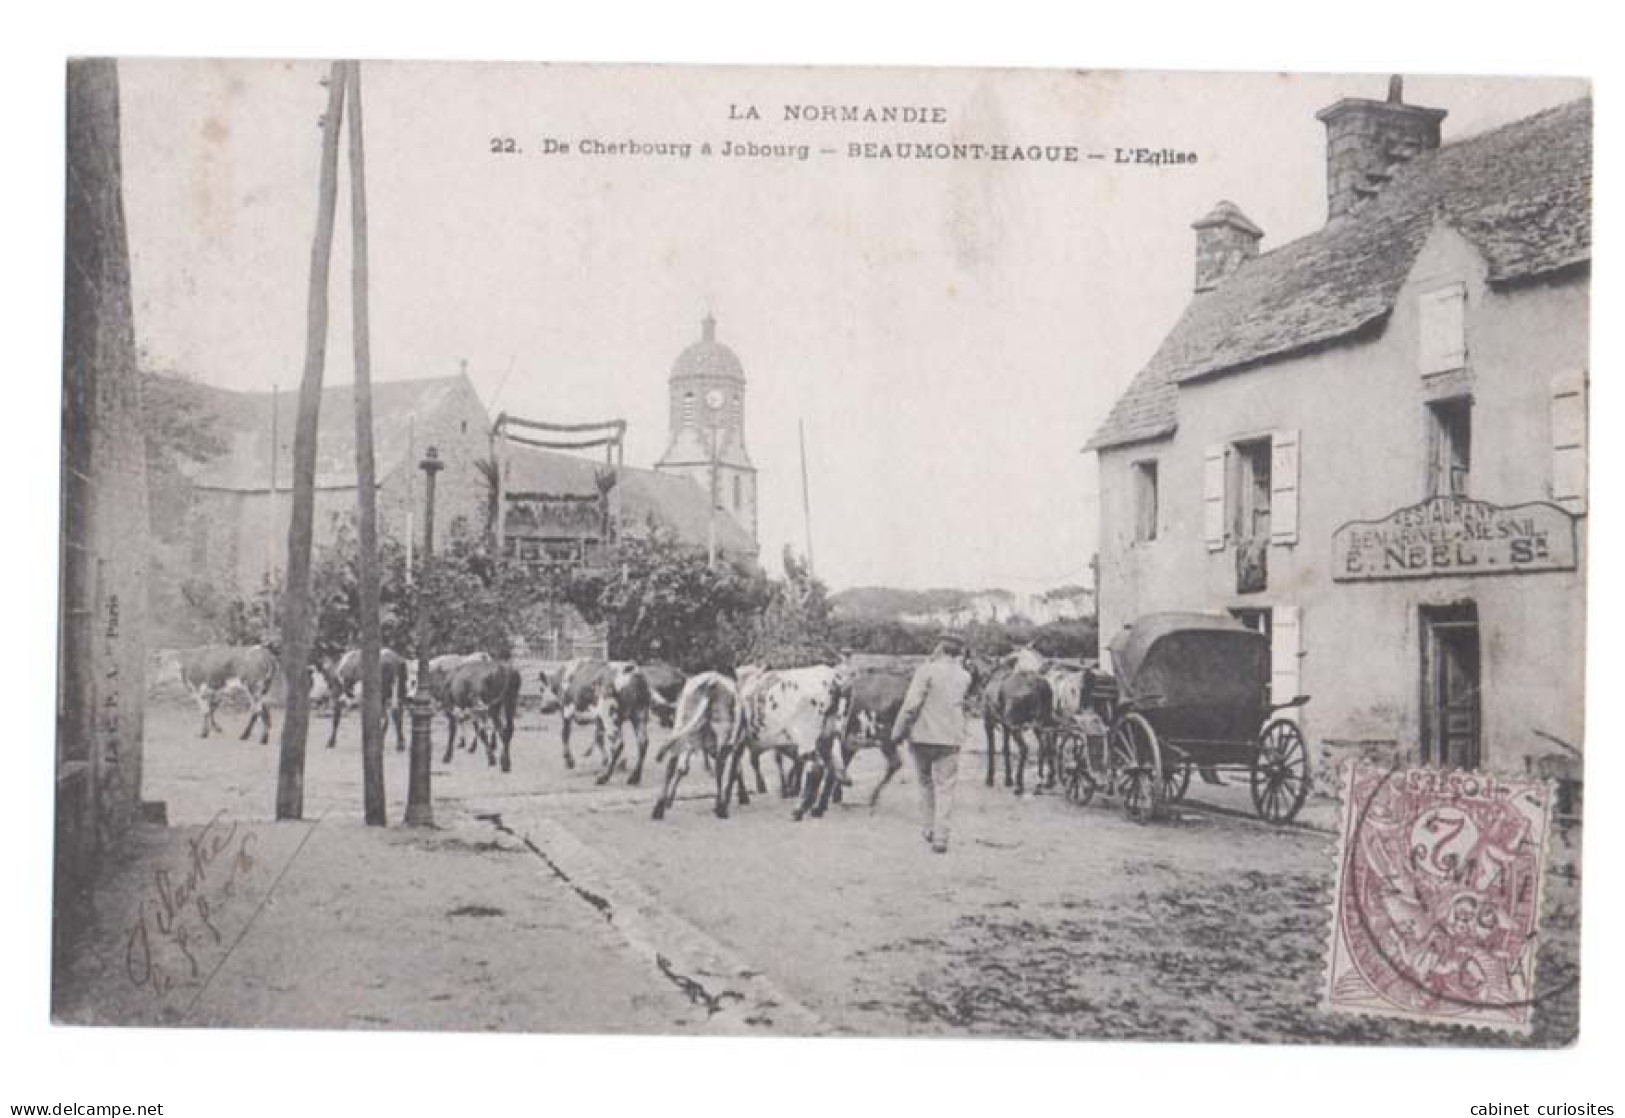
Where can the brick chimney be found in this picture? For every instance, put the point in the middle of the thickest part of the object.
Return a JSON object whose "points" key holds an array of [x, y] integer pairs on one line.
{"points": [[1367, 140], [1225, 239]]}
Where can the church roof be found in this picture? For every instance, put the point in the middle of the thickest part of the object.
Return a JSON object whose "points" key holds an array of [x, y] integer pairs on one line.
{"points": [[670, 501], [708, 357], [1521, 194], [244, 423]]}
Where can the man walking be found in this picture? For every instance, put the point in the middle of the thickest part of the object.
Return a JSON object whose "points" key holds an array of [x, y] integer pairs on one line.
{"points": [[932, 721]]}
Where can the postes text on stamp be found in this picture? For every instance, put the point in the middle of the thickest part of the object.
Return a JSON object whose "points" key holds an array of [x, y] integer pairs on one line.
{"points": [[1437, 909]]}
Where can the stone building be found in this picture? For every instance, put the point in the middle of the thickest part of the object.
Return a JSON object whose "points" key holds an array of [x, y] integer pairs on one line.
{"points": [[236, 525], [707, 423], [103, 554], [1370, 443]]}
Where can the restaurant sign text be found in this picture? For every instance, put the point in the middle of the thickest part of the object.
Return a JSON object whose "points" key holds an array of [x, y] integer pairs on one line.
{"points": [[1455, 536]]}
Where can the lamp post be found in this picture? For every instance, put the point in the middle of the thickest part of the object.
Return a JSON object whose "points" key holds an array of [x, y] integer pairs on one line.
{"points": [[419, 808]]}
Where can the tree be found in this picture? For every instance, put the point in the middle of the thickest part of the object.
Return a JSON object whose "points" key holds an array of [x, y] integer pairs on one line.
{"points": [[660, 599], [795, 627]]}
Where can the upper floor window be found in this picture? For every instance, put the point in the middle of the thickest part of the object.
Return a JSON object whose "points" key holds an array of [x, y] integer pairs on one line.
{"points": [[1450, 446], [1145, 500], [1442, 329], [688, 409], [1252, 489], [739, 489]]}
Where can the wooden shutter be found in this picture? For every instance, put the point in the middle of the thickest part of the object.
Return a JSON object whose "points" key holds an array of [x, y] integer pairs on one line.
{"points": [[1284, 487], [1569, 441], [1213, 486], [1442, 329], [1286, 646]]}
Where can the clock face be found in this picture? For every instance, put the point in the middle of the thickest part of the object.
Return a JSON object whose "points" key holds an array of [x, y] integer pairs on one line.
{"points": [[713, 399]]}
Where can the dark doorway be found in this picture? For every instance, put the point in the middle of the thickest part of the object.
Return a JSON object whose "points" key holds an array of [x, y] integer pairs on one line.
{"points": [[1451, 720]]}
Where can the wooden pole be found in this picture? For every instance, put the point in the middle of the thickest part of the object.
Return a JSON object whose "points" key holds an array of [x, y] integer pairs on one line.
{"points": [[499, 466], [270, 524], [711, 519], [372, 705], [806, 502], [411, 492], [298, 618]]}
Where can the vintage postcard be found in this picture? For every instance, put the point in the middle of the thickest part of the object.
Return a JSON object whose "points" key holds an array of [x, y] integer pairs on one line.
{"points": [[796, 551]]}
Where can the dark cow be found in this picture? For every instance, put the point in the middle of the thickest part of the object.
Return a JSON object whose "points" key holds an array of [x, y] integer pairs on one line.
{"points": [[708, 721], [606, 696], [343, 677], [1014, 701], [873, 697], [437, 687], [211, 671], [666, 686], [486, 692]]}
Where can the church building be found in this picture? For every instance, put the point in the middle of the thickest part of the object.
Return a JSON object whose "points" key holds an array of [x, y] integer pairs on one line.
{"points": [[707, 444]]}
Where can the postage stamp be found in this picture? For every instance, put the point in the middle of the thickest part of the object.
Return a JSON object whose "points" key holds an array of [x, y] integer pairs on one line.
{"points": [[1437, 908]]}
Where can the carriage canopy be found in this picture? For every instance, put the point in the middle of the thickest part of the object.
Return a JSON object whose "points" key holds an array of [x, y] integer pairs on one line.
{"points": [[1192, 660]]}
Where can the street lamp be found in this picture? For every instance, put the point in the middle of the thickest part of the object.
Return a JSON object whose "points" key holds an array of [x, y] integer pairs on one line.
{"points": [[419, 808]]}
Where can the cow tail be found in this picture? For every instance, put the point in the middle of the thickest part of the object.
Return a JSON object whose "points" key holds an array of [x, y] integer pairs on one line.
{"points": [[701, 711], [510, 703]]}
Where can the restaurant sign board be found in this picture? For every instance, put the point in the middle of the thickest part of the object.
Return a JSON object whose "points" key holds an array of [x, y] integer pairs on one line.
{"points": [[1453, 536]]}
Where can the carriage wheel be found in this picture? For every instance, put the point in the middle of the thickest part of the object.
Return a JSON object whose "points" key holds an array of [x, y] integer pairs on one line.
{"points": [[1176, 781], [1280, 772], [1082, 779], [1136, 760]]}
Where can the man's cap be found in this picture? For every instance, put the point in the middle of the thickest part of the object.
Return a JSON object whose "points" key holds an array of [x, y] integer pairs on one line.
{"points": [[951, 638]]}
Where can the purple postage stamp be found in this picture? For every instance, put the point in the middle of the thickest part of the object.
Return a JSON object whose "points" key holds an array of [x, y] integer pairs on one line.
{"points": [[1437, 910]]}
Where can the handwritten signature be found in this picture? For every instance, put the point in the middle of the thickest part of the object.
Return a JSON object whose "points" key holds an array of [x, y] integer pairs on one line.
{"points": [[179, 911]]}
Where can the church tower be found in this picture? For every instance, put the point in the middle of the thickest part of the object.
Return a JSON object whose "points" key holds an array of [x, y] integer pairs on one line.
{"points": [[707, 421]]}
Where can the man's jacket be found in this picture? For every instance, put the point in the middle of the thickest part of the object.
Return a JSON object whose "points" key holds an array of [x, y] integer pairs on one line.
{"points": [[933, 710]]}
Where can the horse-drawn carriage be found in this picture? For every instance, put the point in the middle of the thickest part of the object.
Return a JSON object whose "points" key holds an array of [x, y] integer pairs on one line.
{"points": [[1192, 693]]}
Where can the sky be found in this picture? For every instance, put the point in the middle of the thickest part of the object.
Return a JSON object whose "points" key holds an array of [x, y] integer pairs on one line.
{"points": [[949, 332]]}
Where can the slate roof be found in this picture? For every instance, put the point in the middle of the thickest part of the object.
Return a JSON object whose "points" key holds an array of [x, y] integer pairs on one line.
{"points": [[245, 425], [1521, 194], [708, 358], [671, 500]]}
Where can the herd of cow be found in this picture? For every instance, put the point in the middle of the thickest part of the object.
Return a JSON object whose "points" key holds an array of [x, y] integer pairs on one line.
{"points": [[812, 720]]}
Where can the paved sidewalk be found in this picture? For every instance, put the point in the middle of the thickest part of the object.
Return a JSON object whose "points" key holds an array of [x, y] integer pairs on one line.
{"points": [[331, 924]]}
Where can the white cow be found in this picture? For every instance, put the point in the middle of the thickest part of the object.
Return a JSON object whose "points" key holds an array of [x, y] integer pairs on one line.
{"points": [[795, 711], [707, 719]]}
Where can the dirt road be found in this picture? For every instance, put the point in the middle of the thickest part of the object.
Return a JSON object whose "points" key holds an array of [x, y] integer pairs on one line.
{"points": [[547, 903]]}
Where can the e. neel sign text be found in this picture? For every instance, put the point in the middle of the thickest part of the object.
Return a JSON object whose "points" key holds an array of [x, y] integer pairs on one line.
{"points": [[1455, 536]]}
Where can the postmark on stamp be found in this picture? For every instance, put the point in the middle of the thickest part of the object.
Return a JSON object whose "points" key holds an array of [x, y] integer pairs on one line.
{"points": [[1437, 910]]}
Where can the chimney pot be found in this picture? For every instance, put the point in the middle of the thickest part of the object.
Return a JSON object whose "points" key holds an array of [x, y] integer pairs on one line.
{"points": [[1225, 240]]}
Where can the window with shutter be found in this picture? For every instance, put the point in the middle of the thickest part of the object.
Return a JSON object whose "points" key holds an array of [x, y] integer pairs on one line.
{"points": [[1286, 649], [1146, 496], [1450, 446], [1284, 487], [1213, 486], [1442, 329], [1569, 441]]}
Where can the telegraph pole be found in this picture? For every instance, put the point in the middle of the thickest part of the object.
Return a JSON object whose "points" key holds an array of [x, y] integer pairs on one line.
{"points": [[806, 503], [297, 612], [372, 706]]}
